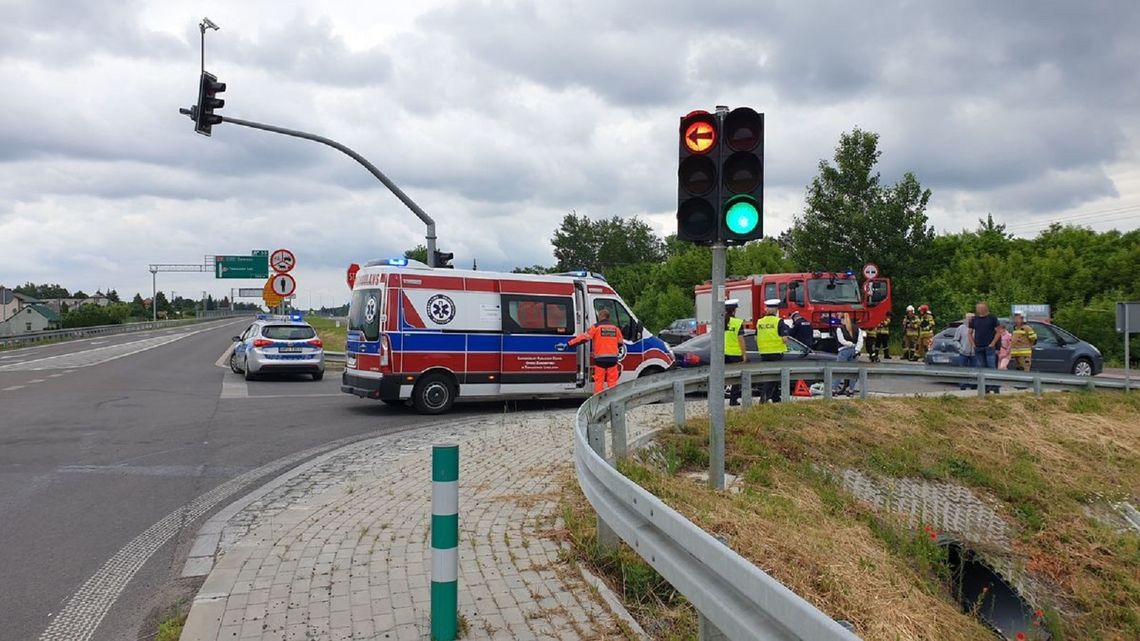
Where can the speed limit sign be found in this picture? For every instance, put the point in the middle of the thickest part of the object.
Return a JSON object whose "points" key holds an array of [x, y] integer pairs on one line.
{"points": [[282, 284]]}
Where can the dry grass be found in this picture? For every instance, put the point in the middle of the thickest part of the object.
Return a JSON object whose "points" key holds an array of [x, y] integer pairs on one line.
{"points": [[1043, 460]]}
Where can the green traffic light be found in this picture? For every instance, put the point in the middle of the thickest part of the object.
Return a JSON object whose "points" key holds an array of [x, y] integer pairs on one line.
{"points": [[742, 217]]}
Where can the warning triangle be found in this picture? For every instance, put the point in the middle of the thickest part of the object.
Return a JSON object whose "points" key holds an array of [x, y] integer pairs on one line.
{"points": [[802, 389]]}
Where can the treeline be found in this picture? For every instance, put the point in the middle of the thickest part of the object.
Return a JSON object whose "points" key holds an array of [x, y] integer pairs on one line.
{"points": [[851, 219], [117, 311]]}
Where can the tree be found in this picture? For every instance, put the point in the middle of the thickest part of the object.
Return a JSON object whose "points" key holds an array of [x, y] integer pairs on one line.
{"points": [[161, 304], [851, 218], [44, 291], [419, 252], [80, 294], [598, 245], [113, 296], [137, 306], [533, 269]]}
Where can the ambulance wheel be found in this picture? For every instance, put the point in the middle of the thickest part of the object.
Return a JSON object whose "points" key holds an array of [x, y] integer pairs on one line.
{"points": [[650, 371], [434, 394]]}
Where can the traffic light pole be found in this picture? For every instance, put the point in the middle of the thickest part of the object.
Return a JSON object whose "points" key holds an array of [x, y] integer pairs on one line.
{"points": [[408, 202], [716, 369]]}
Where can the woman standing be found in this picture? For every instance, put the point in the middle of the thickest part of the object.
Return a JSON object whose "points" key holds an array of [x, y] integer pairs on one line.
{"points": [[1004, 345], [850, 339]]}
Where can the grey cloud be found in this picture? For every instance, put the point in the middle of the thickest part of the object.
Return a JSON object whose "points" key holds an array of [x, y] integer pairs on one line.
{"points": [[71, 31]]}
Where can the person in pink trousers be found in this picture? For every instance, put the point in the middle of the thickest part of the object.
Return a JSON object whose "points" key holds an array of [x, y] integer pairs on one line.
{"points": [[1004, 345]]}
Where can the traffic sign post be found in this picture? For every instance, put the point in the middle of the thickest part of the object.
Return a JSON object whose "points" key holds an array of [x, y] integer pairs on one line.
{"points": [[1127, 322], [283, 285], [241, 267], [282, 261]]}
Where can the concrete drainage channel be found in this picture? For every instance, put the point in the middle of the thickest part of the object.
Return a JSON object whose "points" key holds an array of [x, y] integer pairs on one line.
{"points": [[983, 576]]}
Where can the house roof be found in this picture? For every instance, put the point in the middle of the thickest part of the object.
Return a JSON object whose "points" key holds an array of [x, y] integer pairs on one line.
{"points": [[45, 311]]}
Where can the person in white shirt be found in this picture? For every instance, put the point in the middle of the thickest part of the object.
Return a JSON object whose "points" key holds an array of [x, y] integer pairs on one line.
{"points": [[850, 339]]}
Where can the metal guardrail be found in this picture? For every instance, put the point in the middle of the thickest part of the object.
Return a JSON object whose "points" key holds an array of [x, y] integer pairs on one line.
{"points": [[103, 330], [734, 598]]}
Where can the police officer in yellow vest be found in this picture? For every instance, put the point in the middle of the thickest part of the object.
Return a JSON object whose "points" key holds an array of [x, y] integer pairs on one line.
{"points": [[771, 342], [734, 348]]}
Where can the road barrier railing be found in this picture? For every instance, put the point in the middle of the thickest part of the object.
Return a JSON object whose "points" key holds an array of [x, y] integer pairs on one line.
{"points": [[734, 598], [17, 340]]}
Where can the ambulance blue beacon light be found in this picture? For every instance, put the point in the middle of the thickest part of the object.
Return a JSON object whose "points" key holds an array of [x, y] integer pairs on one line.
{"points": [[398, 262]]}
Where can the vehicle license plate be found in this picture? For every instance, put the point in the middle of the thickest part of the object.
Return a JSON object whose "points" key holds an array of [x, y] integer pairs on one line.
{"points": [[290, 350]]}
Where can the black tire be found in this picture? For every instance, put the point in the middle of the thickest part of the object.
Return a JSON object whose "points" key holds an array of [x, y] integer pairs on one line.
{"points": [[434, 394], [1083, 367], [249, 376], [318, 376], [650, 371], [233, 364]]}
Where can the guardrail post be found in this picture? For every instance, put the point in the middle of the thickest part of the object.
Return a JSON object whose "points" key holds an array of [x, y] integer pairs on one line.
{"points": [[1091, 385], [746, 389], [827, 381], [785, 384], [678, 404], [1037, 385], [981, 383], [862, 382], [620, 445], [444, 542], [596, 435]]}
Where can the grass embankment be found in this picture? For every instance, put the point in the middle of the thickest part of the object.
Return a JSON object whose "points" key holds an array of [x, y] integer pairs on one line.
{"points": [[1045, 464], [332, 336]]}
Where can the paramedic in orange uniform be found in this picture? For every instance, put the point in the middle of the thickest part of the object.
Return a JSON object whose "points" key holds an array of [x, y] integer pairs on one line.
{"points": [[606, 339]]}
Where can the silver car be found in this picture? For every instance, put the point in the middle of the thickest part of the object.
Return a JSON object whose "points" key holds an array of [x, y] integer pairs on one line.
{"points": [[278, 345]]}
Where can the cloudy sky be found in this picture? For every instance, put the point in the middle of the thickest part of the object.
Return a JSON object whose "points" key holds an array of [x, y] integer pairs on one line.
{"points": [[500, 117]]}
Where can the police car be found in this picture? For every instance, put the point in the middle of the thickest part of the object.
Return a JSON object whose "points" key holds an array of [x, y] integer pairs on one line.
{"points": [[278, 345]]}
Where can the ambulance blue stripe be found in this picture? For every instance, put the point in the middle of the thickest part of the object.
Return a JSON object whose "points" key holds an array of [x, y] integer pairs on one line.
{"points": [[481, 342]]}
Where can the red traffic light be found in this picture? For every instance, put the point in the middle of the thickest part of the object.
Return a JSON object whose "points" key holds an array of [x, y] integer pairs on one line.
{"points": [[698, 132]]}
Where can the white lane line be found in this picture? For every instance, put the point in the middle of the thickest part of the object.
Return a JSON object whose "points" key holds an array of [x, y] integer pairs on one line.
{"points": [[86, 608], [36, 380], [12, 388], [54, 375], [224, 360], [233, 387], [68, 371], [257, 396], [96, 342]]}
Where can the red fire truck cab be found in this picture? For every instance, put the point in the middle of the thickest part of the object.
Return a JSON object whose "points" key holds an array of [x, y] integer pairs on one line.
{"points": [[819, 296]]}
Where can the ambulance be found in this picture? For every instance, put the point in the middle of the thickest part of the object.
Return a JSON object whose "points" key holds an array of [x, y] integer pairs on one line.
{"points": [[430, 336]]}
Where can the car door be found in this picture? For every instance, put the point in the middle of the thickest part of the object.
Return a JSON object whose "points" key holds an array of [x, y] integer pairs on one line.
{"points": [[534, 326], [1051, 353]]}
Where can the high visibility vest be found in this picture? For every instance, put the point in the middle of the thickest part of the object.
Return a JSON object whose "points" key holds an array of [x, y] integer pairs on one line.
{"points": [[910, 325], [732, 337], [768, 339], [926, 323], [604, 337]]}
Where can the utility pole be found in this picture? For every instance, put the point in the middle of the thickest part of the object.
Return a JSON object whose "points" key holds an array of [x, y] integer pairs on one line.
{"points": [[153, 293]]}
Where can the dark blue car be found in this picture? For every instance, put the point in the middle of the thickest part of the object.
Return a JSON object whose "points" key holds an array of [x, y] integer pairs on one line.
{"points": [[1057, 351]]}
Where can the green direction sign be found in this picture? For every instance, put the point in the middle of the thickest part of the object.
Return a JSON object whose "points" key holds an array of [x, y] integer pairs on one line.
{"points": [[256, 266]]}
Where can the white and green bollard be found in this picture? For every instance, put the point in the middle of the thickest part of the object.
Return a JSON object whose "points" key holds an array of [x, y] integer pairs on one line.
{"points": [[444, 542]]}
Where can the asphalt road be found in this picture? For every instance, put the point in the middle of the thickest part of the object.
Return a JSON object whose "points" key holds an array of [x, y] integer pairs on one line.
{"points": [[101, 439]]}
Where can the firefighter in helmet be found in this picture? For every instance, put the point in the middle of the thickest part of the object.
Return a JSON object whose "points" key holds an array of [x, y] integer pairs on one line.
{"points": [[871, 342], [910, 334], [606, 340], [885, 336], [1021, 346], [925, 330]]}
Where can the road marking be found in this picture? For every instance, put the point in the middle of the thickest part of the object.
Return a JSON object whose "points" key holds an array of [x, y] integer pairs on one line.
{"points": [[234, 388], [86, 608], [12, 388], [224, 360], [36, 380], [54, 375], [98, 355], [256, 396], [96, 342]]}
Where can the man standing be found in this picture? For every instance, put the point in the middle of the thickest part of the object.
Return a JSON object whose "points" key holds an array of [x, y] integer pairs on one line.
{"points": [[884, 338], [983, 334], [734, 349], [771, 342], [1024, 338], [965, 345], [871, 343], [910, 334], [605, 338], [925, 330], [802, 330]]}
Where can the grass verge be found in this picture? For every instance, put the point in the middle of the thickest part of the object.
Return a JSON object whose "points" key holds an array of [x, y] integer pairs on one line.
{"points": [[662, 611], [332, 336], [170, 628], [1044, 463]]}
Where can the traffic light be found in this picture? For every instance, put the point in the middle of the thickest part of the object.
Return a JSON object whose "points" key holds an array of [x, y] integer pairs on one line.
{"points": [[208, 89], [742, 172], [697, 191], [443, 260]]}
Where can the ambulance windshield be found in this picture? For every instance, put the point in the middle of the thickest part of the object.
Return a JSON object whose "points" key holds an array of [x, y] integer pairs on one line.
{"points": [[364, 313]]}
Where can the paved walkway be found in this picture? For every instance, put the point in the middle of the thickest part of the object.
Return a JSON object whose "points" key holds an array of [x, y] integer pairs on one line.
{"points": [[342, 550]]}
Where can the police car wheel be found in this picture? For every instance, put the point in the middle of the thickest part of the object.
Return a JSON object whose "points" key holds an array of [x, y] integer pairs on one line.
{"points": [[433, 394], [318, 376], [249, 376], [233, 364]]}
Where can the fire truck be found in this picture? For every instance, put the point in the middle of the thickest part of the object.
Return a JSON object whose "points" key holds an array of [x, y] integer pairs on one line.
{"points": [[819, 296], [430, 336]]}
